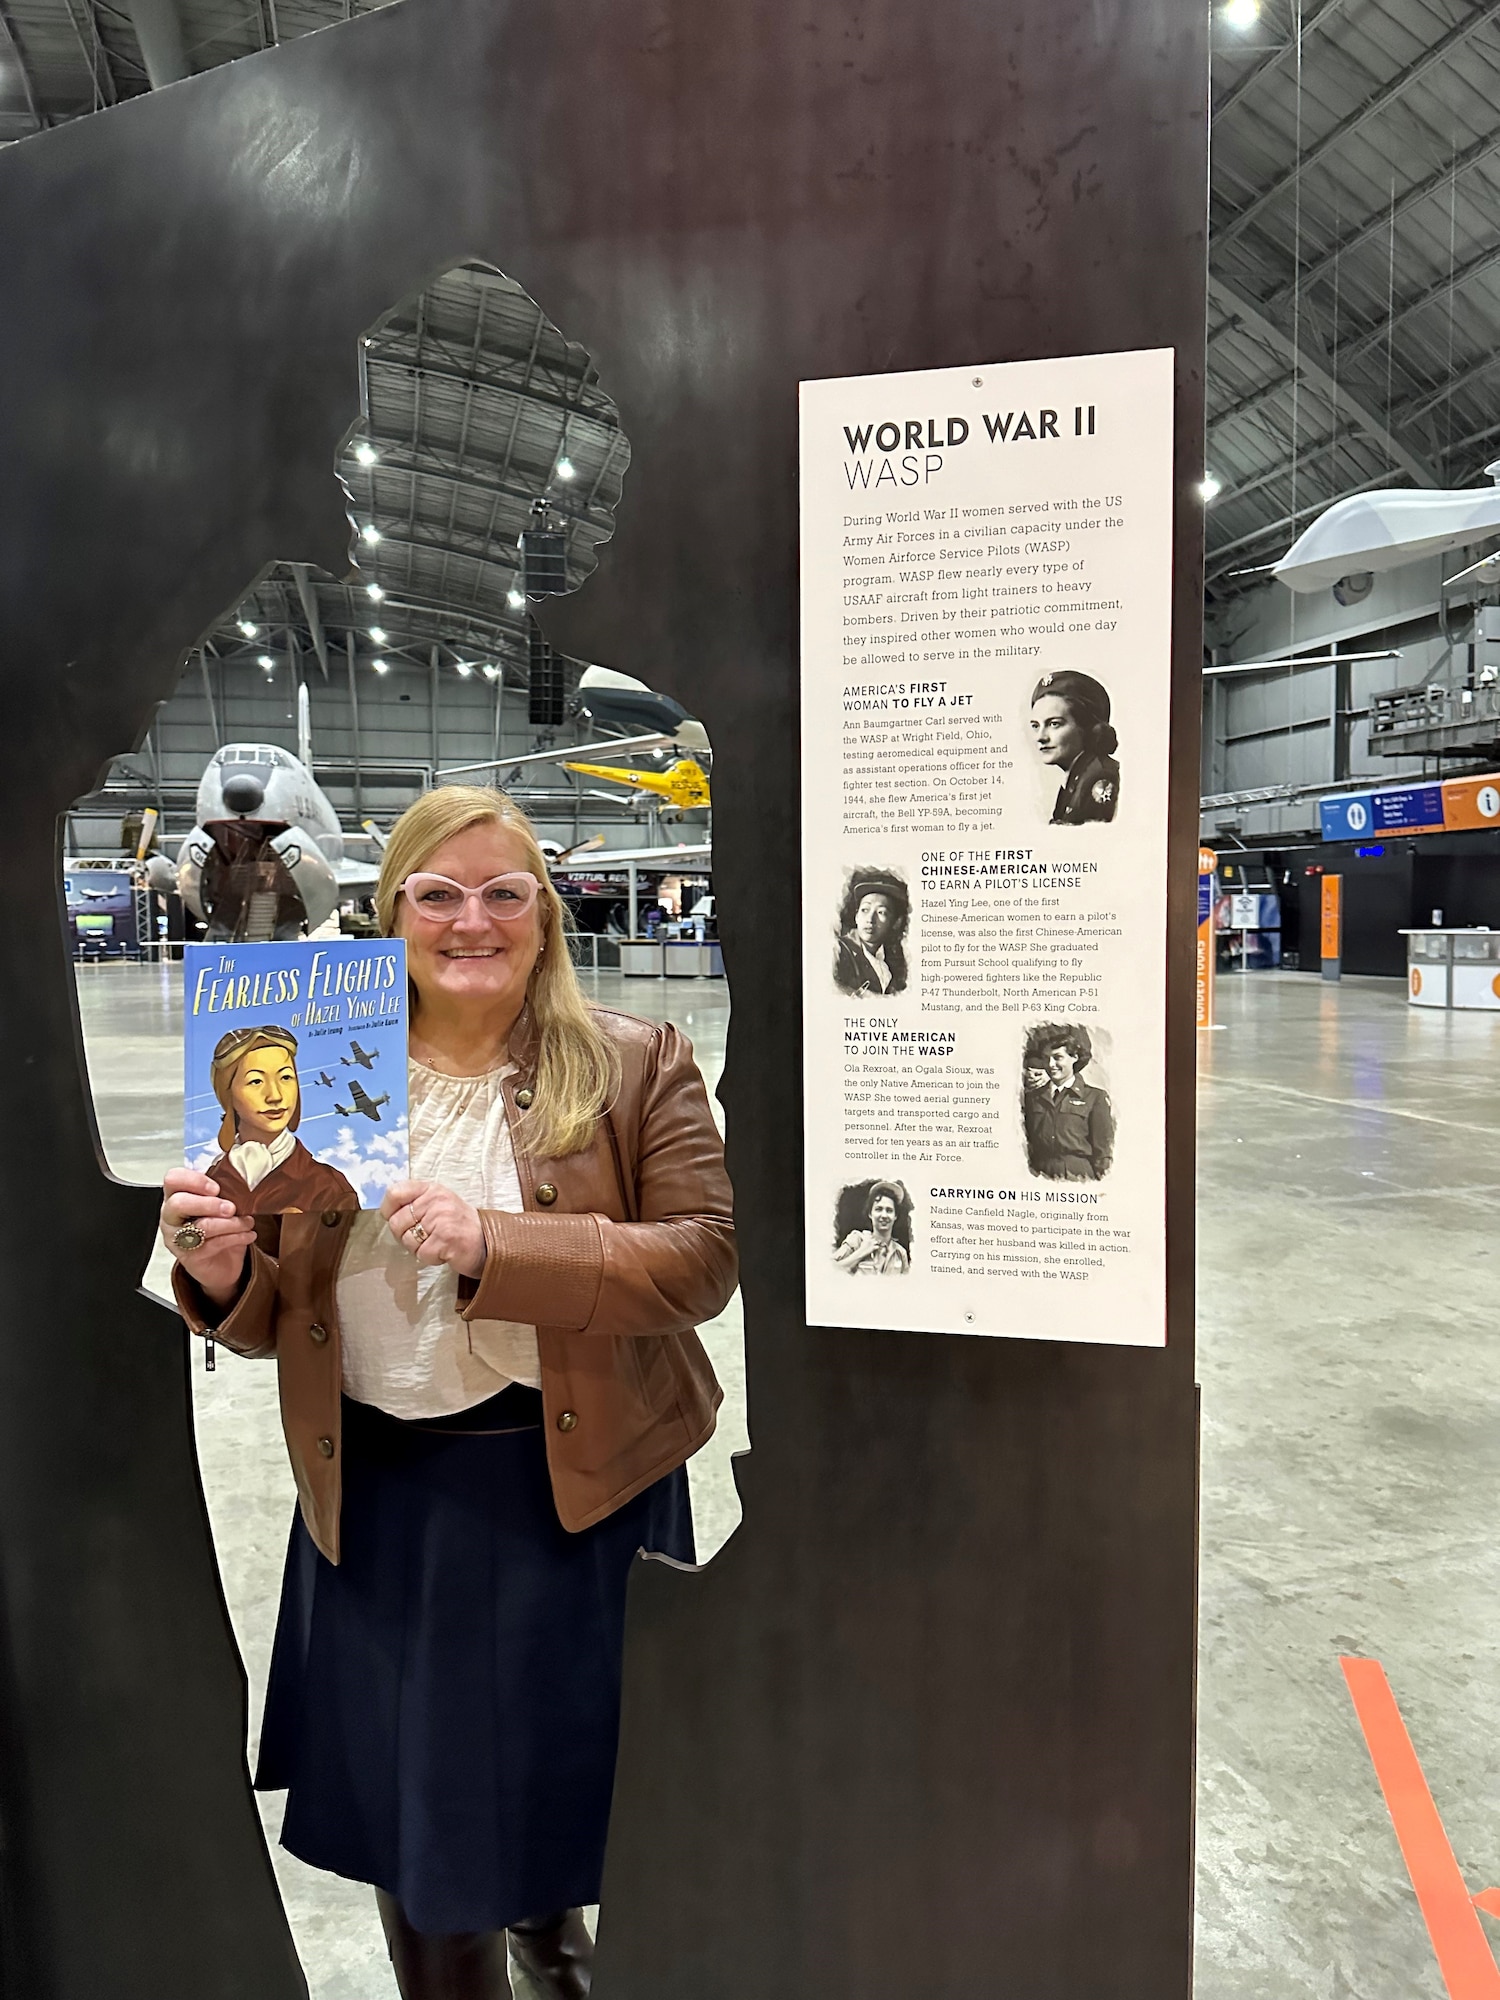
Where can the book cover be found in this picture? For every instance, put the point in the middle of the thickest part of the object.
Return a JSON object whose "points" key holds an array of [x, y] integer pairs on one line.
{"points": [[295, 1071]]}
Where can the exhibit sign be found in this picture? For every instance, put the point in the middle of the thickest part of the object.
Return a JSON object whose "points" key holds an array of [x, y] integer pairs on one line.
{"points": [[986, 663], [1331, 925], [1448, 805], [1205, 966]]}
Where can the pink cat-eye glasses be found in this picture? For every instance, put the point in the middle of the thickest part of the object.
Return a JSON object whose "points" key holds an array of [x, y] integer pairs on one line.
{"points": [[439, 899]]}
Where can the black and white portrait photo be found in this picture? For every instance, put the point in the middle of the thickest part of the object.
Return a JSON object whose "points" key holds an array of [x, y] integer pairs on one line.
{"points": [[1068, 1121], [872, 1230], [873, 916], [1071, 730]]}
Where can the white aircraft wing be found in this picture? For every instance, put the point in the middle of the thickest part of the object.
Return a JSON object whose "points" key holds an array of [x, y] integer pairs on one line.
{"points": [[567, 755], [604, 858], [356, 878]]}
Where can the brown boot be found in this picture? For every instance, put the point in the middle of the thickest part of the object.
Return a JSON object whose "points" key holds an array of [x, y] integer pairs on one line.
{"points": [[558, 1953], [446, 1965]]}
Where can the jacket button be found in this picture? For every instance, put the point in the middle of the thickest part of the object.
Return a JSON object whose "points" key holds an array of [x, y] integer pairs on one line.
{"points": [[325, 1445], [331, 1218], [525, 1097], [546, 1194], [318, 1333], [567, 1420]]}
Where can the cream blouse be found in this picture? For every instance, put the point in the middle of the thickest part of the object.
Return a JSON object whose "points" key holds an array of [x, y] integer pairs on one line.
{"points": [[405, 1347]]}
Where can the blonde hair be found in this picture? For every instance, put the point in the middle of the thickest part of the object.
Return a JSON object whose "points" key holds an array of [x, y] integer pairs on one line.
{"points": [[577, 1069]]}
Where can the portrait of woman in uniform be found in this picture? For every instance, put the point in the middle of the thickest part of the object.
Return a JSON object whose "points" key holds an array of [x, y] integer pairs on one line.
{"points": [[1069, 1124], [264, 1169], [1071, 730], [871, 954]]}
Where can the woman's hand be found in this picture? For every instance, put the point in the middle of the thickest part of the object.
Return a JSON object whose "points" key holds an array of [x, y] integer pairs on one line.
{"points": [[436, 1225], [217, 1267], [854, 1249]]}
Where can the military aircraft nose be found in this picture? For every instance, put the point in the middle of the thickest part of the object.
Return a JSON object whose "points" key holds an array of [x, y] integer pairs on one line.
{"points": [[243, 794]]}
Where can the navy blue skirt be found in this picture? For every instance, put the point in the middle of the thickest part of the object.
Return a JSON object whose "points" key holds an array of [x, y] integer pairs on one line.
{"points": [[444, 1704]]}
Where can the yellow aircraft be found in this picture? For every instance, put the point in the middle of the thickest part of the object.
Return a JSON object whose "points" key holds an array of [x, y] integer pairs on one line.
{"points": [[684, 786]]}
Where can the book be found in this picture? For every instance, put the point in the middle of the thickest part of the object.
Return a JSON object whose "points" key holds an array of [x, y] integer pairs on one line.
{"points": [[295, 1071]]}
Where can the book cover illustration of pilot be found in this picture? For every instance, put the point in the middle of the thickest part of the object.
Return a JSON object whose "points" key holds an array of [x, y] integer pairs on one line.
{"points": [[295, 1071]]}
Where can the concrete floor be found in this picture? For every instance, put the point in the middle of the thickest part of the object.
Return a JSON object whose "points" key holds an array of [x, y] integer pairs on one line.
{"points": [[1349, 1169]]}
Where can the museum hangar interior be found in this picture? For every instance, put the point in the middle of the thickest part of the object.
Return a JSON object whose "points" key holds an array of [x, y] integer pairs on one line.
{"points": [[1349, 972]]}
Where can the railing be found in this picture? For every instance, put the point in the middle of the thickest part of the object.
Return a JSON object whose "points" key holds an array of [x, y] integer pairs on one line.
{"points": [[1417, 710], [592, 953]]}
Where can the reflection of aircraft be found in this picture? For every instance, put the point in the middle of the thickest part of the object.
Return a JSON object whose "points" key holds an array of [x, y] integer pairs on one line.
{"points": [[325, 1079], [364, 1057], [260, 813], [684, 786], [364, 1106]]}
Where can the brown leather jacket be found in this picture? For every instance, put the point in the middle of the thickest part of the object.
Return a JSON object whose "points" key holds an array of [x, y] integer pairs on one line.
{"points": [[619, 1252]]}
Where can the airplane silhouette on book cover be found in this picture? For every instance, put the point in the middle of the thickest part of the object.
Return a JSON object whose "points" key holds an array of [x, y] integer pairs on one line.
{"points": [[364, 1106], [364, 1057]]}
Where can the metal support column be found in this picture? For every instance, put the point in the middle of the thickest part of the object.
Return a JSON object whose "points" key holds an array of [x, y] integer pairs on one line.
{"points": [[1341, 720], [432, 702], [359, 795], [208, 696], [634, 913]]}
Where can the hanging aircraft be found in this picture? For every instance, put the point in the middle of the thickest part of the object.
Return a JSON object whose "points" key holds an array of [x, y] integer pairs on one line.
{"points": [[1370, 532], [364, 1057], [364, 1106], [612, 700], [684, 786]]}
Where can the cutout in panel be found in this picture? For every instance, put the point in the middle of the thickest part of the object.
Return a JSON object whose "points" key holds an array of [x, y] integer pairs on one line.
{"points": [[481, 478]]}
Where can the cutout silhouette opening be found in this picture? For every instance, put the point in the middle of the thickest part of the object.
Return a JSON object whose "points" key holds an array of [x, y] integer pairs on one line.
{"points": [[284, 735]]}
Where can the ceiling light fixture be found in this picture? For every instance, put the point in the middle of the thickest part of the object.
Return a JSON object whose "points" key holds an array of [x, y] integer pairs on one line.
{"points": [[249, 629], [1209, 488], [566, 469], [464, 670], [374, 592], [378, 634], [381, 666], [365, 452], [1241, 14], [369, 533], [515, 597]]}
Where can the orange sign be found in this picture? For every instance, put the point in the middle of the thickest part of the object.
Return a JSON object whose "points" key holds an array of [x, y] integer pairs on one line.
{"points": [[1332, 947], [1208, 862], [1470, 802]]}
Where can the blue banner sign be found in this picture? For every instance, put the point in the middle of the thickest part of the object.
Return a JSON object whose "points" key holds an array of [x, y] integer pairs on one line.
{"points": [[1411, 809], [1349, 817], [1396, 809]]}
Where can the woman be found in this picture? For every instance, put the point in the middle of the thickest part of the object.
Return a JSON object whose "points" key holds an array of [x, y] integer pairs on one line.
{"points": [[490, 1388], [262, 1168], [1069, 1125], [872, 1251], [1070, 728], [871, 955]]}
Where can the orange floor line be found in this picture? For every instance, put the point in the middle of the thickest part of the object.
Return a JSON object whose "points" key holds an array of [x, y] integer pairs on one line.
{"points": [[1463, 1953]]}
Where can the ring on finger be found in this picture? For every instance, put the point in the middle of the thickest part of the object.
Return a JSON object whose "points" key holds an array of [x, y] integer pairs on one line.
{"points": [[418, 1234], [189, 1236]]}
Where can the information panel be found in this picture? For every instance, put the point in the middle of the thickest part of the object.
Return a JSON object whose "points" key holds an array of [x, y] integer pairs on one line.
{"points": [[986, 640]]}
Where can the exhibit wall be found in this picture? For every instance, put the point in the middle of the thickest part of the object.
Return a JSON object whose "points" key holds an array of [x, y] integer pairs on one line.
{"points": [[926, 1724]]}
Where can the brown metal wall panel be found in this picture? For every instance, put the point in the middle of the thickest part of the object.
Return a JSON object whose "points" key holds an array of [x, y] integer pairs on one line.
{"points": [[926, 1724]]}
